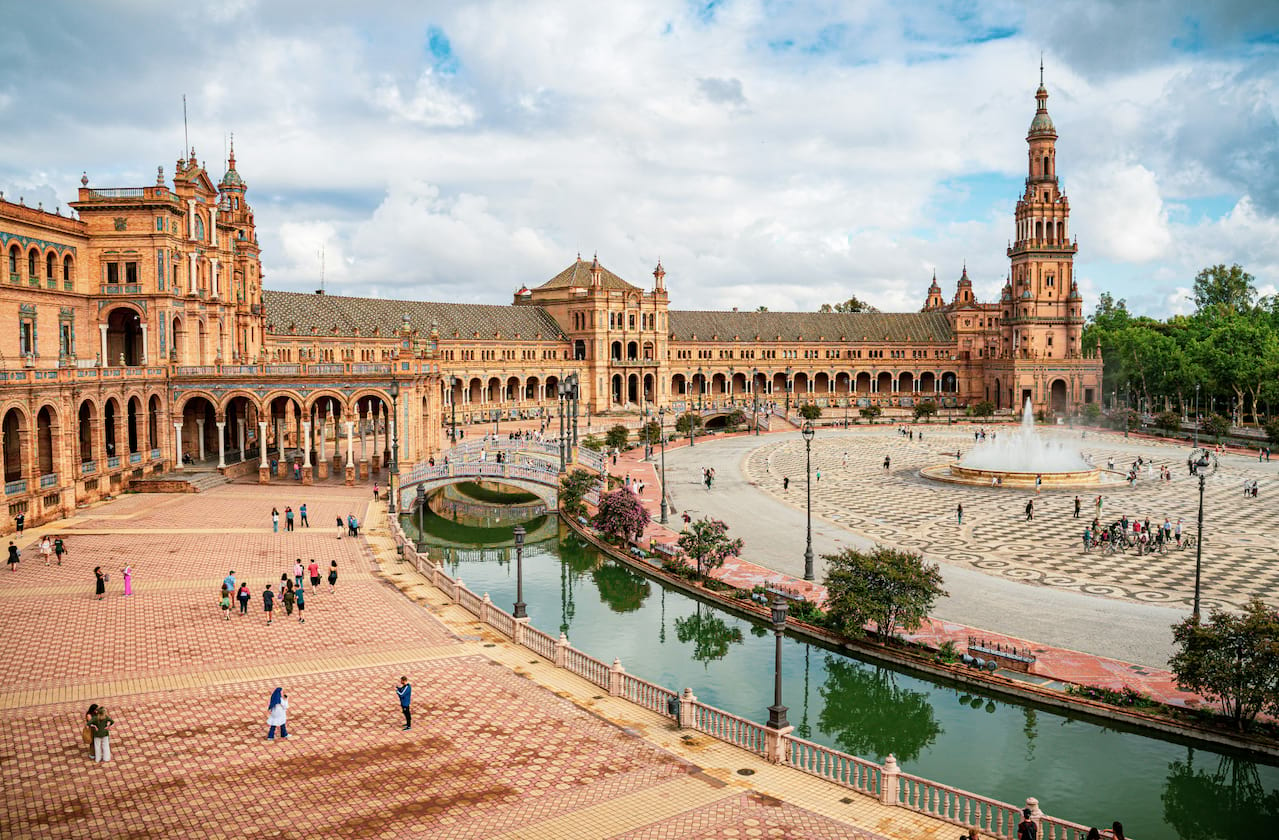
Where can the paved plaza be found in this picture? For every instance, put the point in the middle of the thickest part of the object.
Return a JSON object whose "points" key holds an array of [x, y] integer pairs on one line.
{"points": [[503, 743]]}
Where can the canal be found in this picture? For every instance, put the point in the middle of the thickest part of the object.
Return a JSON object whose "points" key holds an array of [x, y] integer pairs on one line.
{"points": [[1079, 769]]}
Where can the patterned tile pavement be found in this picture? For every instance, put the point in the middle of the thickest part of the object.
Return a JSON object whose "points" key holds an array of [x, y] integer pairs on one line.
{"points": [[503, 744]]}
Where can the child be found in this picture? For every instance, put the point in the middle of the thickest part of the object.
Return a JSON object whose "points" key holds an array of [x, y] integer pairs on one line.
{"points": [[225, 603]]}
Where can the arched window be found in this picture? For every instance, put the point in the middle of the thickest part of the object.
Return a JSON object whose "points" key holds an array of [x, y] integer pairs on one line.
{"points": [[13, 261], [33, 256], [199, 228], [1047, 171], [50, 261]]}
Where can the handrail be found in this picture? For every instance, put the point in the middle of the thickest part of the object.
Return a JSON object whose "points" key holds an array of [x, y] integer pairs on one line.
{"points": [[586, 666], [834, 766], [729, 727], [990, 816]]}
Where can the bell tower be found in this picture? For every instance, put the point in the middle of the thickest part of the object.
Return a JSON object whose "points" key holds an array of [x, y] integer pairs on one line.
{"points": [[1042, 318]]}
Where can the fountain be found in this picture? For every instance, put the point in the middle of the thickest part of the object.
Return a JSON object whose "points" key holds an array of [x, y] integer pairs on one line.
{"points": [[1017, 459]]}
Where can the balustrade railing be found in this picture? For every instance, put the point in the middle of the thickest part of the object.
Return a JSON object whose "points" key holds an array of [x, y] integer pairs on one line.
{"points": [[135, 457], [371, 368], [12, 488], [155, 454], [113, 461], [196, 370], [883, 782], [88, 467], [48, 480]]}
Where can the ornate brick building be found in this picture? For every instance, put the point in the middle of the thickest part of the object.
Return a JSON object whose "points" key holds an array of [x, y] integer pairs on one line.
{"points": [[145, 338]]}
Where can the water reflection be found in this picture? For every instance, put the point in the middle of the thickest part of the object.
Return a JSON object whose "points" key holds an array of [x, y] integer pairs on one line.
{"points": [[1223, 797], [869, 714], [621, 589], [711, 636]]}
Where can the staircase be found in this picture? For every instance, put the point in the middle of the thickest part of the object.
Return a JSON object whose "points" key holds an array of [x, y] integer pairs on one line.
{"points": [[187, 481]]}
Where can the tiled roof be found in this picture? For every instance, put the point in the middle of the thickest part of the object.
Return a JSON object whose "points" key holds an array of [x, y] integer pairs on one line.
{"points": [[579, 274], [303, 311], [810, 326]]}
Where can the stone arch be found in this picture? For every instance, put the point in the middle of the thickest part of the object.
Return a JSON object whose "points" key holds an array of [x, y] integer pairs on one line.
{"points": [[133, 423], [1059, 396], [800, 383], [949, 382], [51, 266], [718, 382], [86, 428], [493, 390], [124, 323], [632, 350], [821, 383], [928, 382], [154, 407], [616, 393], [314, 399], [475, 390], [843, 383], [650, 388], [180, 404], [111, 414], [884, 382], [68, 268], [863, 383], [16, 429], [906, 382], [532, 389], [679, 385], [178, 340], [512, 390], [615, 351], [48, 428], [738, 383]]}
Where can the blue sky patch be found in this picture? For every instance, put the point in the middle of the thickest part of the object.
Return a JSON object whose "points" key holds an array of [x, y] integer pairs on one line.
{"points": [[441, 51]]}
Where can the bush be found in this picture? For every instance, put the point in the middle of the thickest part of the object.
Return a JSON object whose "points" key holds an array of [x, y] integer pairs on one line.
{"points": [[1091, 412], [1272, 431], [1233, 658], [573, 489], [890, 587], [947, 654], [621, 515], [810, 411], [1126, 697], [870, 412], [1168, 421], [651, 433], [689, 420], [985, 408], [617, 437], [1217, 426], [925, 410], [593, 442], [1125, 419], [807, 612]]}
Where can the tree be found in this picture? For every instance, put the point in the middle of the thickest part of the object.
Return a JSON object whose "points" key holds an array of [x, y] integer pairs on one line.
{"points": [[687, 420], [707, 542], [734, 419], [651, 433], [761, 309], [573, 489], [1169, 421], [926, 409], [621, 515], [869, 714], [1217, 426], [617, 437], [593, 442], [1091, 412], [1225, 290], [810, 411], [853, 304], [711, 635], [1272, 431], [888, 586], [1232, 659], [1125, 419], [870, 412], [985, 408]]}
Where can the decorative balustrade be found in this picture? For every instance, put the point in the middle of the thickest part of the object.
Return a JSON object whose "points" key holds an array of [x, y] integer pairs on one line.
{"points": [[88, 467], [196, 370], [48, 480], [381, 367], [326, 369], [135, 457], [113, 461], [12, 488], [155, 454], [282, 370], [883, 782]]}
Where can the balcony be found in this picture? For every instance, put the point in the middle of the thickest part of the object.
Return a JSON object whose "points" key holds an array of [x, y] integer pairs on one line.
{"points": [[118, 192], [155, 454], [113, 462], [135, 457], [12, 488], [121, 288], [48, 480], [88, 467]]}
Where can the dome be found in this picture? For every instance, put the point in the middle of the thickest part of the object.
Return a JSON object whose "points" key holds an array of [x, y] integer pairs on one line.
{"points": [[232, 179], [1042, 124]]}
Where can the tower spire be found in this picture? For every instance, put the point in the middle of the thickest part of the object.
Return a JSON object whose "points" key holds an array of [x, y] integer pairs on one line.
{"points": [[1041, 68]]}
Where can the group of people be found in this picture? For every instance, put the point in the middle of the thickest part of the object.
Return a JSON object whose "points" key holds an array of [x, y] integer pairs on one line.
{"points": [[1028, 829], [634, 485], [292, 591], [1123, 534], [288, 518], [277, 709], [708, 477]]}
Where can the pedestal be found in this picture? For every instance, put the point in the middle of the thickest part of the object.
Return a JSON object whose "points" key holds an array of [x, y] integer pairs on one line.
{"points": [[364, 470], [377, 464], [264, 475], [350, 476], [307, 478], [337, 465], [775, 743], [322, 470]]}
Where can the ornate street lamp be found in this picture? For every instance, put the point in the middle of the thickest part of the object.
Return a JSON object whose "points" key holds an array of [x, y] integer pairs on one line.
{"points": [[808, 432], [777, 712], [1200, 466], [454, 385], [573, 399], [519, 573], [661, 422], [562, 388], [788, 385], [395, 445]]}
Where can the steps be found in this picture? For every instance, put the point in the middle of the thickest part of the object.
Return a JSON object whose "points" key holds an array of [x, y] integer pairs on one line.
{"points": [[179, 482]]}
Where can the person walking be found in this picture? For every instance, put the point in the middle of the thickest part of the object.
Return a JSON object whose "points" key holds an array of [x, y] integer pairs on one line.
{"points": [[313, 570], [341, 527], [20, 521], [1077, 504], [297, 573], [277, 714], [302, 513], [288, 518], [275, 521], [101, 724], [289, 597], [87, 731], [224, 601], [46, 548], [333, 574], [1030, 509], [301, 603], [405, 692], [785, 482], [243, 597], [228, 582], [13, 557], [959, 514], [268, 602], [127, 573], [59, 548], [99, 582]]}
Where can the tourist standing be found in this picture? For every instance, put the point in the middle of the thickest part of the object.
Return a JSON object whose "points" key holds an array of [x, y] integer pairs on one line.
{"points": [[275, 521], [99, 582], [313, 569], [341, 527], [405, 692], [13, 557], [101, 725], [46, 548], [288, 518], [277, 714], [302, 513], [333, 574], [268, 602], [127, 573], [301, 602], [1077, 504], [959, 513], [20, 521], [1027, 829], [785, 482], [87, 732], [59, 548]]}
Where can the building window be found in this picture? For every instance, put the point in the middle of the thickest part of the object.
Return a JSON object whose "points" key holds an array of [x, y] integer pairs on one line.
{"points": [[159, 224], [26, 337], [64, 340], [113, 272]]}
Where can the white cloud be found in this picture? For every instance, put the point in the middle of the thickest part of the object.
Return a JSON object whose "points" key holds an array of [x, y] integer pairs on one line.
{"points": [[1119, 211]]}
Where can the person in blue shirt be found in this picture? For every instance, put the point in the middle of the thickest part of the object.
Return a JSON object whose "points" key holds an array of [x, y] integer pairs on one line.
{"points": [[229, 582], [405, 692]]}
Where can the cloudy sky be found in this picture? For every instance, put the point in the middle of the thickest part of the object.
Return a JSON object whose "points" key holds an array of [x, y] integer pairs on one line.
{"points": [[769, 152]]}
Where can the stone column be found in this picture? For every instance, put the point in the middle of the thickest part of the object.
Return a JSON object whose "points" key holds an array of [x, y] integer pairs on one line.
{"points": [[322, 464], [264, 469], [177, 444], [375, 461], [191, 275], [279, 442], [221, 444], [364, 445], [241, 439], [103, 360], [199, 423], [350, 445], [146, 357], [213, 277], [305, 439]]}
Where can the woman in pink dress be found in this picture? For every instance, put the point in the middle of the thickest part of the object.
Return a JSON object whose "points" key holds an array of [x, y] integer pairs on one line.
{"points": [[128, 579]]}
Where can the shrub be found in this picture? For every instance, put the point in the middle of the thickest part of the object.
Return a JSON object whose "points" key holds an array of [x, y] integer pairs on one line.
{"points": [[810, 411], [622, 515], [985, 408], [870, 412], [617, 437], [688, 420], [1168, 421], [707, 542], [925, 410], [573, 489], [890, 587]]}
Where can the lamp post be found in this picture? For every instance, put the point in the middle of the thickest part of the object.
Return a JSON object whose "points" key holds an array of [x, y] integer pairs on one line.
{"points": [[777, 712], [421, 513], [497, 420], [701, 388], [519, 573], [1202, 464], [454, 383], [808, 432], [755, 398], [573, 397], [788, 386], [395, 445], [1196, 415], [661, 422], [561, 388]]}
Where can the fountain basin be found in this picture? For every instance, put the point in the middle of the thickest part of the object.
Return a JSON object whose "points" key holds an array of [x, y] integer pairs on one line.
{"points": [[974, 477]]}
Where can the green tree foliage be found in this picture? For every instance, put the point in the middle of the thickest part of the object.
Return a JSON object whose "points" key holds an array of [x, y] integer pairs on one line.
{"points": [[869, 714], [810, 411], [593, 442], [651, 432], [1272, 431], [1168, 421], [853, 304], [1221, 290], [621, 515], [985, 408], [1125, 419], [708, 543], [925, 410], [1091, 412], [1232, 659], [890, 587], [870, 412], [687, 420], [711, 635], [1222, 798], [735, 419], [617, 437], [1216, 425], [573, 489]]}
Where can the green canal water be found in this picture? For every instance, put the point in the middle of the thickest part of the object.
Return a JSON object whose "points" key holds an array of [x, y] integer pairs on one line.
{"points": [[1079, 769]]}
